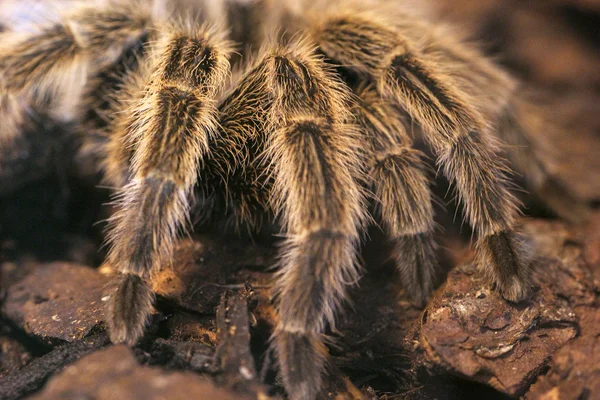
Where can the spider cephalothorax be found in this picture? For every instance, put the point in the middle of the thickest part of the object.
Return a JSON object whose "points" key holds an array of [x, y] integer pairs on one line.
{"points": [[311, 129]]}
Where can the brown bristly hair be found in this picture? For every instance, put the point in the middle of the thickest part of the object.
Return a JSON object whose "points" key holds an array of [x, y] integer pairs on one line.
{"points": [[173, 122]]}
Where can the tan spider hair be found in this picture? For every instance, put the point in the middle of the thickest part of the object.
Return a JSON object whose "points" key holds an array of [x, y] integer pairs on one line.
{"points": [[313, 125]]}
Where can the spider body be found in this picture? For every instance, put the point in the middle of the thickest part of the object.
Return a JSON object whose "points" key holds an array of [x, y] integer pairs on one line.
{"points": [[313, 128]]}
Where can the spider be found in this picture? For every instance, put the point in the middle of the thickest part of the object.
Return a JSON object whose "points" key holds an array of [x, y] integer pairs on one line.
{"points": [[312, 127]]}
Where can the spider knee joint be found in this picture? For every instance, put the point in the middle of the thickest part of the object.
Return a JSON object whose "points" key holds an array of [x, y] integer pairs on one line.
{"points": [[189, 58], [293, 76], [300, 130], [400, 155]]}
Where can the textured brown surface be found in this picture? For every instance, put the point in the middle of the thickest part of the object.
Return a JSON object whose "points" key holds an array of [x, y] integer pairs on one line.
{"points": [[115, 374], [57, 301], [575, 369], [470, 331], [199, 273], [233, 357], [13, 355]]}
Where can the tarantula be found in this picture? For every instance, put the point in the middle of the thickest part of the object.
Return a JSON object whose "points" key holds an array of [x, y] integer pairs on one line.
{"points": [[312, 128]]}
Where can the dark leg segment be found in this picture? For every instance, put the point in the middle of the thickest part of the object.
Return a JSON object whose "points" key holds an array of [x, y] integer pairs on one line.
{"points": [[402, 196]]}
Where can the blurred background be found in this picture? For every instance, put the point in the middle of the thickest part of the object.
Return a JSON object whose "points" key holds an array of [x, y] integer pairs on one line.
{"points": [[554, 47]]}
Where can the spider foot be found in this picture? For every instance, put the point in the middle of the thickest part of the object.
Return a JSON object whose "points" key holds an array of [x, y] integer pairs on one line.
{"points": [[503, 256], [515, 289], [302, 361], [129, 310], [416, 261]]}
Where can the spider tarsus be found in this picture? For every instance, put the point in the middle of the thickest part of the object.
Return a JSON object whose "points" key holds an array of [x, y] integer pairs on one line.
{"points": [[416, 260], [302, 361], [504, 257], [129, 310], [515, 290]]}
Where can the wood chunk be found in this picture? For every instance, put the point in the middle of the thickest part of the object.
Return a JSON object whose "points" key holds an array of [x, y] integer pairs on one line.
{"points": [[201, 268], [31, 377], [13, 355], [173, 354], [114, 373], [470, 331], [575, 369], [234, 358], [57, 302]]}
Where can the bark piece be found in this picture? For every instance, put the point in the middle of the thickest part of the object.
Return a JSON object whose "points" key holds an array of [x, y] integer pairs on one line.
{"points": [[575, 369], [234, 358], [114, 373], [13, 355], [200, 270], [469, 330], [57, 302], [31, 377]]}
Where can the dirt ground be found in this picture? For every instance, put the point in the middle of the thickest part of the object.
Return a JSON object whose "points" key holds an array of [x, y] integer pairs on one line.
{"points": [[209, 336]]}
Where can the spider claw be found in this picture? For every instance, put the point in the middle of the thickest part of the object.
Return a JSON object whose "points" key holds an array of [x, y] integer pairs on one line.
{"points": [[504, 258]]}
